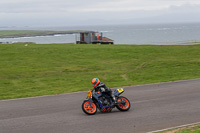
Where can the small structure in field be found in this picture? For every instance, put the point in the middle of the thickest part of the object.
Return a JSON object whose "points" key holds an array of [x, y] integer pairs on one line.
{"points": [[91, 37]]}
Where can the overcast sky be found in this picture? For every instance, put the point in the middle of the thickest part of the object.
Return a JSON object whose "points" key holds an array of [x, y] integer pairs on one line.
{"points": [[92, 12]]}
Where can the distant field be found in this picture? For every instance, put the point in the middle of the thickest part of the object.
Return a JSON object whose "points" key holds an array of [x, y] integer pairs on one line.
{"points": [[36, 69], [28, 33]]}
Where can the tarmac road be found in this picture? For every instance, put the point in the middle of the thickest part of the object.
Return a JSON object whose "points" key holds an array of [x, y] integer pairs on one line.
{"points": [[154, 107]]}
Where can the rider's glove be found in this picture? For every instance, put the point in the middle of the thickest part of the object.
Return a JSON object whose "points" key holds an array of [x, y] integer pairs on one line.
{"points": [[102, 89]]}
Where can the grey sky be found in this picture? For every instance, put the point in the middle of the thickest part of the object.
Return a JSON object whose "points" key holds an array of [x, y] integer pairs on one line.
{"points": [[91, 12]]}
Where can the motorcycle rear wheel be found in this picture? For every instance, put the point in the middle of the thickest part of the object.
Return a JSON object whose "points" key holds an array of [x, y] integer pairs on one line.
{"points": [[123, 107], [89, 108]]}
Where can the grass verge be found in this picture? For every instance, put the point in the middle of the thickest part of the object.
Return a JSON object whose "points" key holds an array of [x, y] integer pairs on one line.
{"points": [[189, 129], [35, 70]]}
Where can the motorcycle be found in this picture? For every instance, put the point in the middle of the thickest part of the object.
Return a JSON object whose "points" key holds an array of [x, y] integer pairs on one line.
{"points": [[103, 102]]}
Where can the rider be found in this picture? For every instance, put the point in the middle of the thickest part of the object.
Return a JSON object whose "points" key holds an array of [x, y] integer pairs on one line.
{"points": [[100, 86]]}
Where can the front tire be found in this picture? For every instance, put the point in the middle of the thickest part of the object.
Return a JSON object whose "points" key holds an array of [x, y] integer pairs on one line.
{"points": [[89, 108], [125, 105]]}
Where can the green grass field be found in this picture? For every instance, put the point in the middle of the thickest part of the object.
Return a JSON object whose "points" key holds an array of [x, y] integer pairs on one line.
{"points": [[36, 69]]}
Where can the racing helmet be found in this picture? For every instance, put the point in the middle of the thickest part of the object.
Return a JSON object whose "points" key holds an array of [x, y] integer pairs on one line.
{"points": [[95, 82]]}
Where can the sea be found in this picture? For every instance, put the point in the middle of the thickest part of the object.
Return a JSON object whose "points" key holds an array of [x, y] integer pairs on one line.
{"points": [[156, 34]]}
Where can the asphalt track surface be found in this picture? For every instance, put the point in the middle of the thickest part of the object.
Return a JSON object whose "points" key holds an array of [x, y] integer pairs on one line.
{"points": [[154, 107]]}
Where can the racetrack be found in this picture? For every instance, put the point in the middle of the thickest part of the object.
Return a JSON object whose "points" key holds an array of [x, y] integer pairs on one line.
{"points": [[154, 107]]}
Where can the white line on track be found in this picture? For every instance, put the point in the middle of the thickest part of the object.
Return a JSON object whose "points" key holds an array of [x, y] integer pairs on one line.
{"points": [[186, 125], [42, 96]]}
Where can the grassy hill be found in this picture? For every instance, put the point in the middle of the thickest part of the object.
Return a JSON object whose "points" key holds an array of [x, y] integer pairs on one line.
{"points": [[36, 69]]}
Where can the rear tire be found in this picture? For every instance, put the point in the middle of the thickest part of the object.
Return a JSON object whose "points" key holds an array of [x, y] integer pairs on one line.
{"points": [[123, 107], [89, 109]]}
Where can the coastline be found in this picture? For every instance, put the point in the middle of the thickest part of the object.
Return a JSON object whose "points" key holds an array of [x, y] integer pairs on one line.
{"points": [[33, 33], [166, 34]]}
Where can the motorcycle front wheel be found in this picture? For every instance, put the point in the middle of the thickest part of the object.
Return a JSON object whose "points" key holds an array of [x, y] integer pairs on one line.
{"points": [[123, 104], [89, 107]]}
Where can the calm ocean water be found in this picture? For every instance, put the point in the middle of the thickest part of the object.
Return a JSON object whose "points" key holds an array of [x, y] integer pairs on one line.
{"points": [[163, 34]]}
